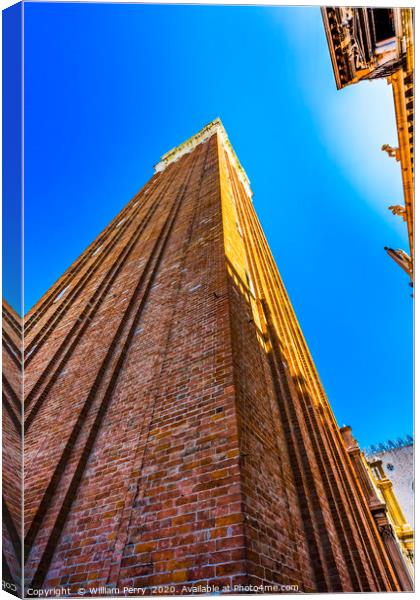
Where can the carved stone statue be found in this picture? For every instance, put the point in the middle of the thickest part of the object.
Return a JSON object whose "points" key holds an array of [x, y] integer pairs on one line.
{"points": [[391, 151], [398, 210], [401, 258]]}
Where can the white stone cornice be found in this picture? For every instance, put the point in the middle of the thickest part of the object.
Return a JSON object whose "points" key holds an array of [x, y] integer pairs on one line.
{"points": [[207, 132]]}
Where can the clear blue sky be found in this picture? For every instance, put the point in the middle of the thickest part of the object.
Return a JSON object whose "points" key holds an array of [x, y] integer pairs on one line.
{"points": [[110, 88]]}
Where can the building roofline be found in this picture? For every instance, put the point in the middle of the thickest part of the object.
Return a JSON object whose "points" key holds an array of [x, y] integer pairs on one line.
{"points": [[388, 446], [212, 128]]}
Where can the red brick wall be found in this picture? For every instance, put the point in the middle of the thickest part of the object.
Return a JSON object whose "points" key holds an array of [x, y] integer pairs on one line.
{"points": [[12, 448], [166, 442], [342, 541]]}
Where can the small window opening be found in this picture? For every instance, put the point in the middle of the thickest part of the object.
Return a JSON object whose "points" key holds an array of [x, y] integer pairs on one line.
{"points": [[383, 19], [250, 284], [61, 294], [238, 227]]}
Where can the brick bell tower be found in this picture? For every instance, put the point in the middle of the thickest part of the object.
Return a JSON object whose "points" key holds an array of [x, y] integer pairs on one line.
{"points": [[176, 431]]}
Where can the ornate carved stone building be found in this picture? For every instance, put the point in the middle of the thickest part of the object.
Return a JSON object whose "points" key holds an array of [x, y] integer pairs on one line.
{"points": [[397, 461], [176, 431], [392, 468], [372, 43], [384, 503]]}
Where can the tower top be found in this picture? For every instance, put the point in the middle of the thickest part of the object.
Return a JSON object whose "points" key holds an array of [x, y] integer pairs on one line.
{"points": [[214, 127]]}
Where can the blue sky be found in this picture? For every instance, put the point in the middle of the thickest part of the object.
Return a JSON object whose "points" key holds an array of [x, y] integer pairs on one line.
{"points": [[110, 88]]}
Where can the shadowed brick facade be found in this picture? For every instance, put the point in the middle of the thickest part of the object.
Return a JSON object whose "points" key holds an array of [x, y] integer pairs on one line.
{"points": [[176, 431], [12, 449]]}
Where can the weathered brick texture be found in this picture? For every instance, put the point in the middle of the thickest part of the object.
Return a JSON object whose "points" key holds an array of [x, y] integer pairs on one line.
{"points": [[176, 430], [12, 448]]}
